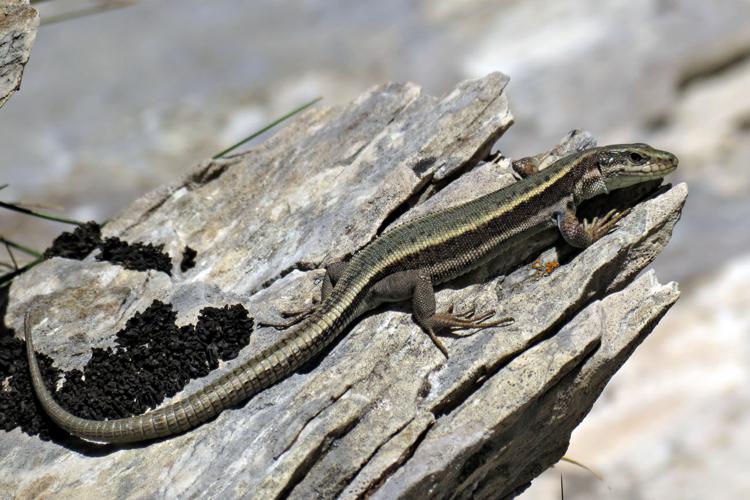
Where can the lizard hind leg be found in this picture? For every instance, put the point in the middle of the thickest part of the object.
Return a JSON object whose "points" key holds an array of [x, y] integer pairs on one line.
{"points": [[423, 308], [332, 276], [417, 286]]}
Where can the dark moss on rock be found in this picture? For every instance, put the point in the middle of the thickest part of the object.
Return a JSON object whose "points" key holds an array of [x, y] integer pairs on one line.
{"points": [[153, 359], [188, 259], [77, 244], [135, 256], [18, 406]]}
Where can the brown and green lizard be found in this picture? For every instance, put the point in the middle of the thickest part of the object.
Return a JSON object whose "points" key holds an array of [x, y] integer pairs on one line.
{"points": [[405, 263]]}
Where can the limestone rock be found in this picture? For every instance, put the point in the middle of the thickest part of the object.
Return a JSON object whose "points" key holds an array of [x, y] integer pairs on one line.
{"points": [[383, 414], [18, 25]]}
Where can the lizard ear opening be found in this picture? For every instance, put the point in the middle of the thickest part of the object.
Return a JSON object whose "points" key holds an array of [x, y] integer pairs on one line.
{"points": [[604, 160]]}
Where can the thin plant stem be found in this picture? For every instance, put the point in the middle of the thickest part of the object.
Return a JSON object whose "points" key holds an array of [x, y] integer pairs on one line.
{"points": [[87, 11], [10, 253], [582, 466], [20, 247], [41, 215], [267, 127]]}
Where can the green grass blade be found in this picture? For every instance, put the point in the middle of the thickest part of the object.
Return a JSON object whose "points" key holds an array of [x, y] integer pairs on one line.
{"points": [[18, 246], [41, 215], [582, 466], [267, 127], [87, 11], [9, 249]]}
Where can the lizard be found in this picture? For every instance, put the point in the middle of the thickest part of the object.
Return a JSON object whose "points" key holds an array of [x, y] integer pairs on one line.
{"points": [[404, 263]]}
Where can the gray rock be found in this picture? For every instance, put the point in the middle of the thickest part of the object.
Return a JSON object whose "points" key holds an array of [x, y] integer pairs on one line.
{"points": [[18, 25], [384, 413]]}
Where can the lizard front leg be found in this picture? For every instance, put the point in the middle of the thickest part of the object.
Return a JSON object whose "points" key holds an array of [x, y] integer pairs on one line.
{"points": [[417, 285], [332, 276], [582, 234]]}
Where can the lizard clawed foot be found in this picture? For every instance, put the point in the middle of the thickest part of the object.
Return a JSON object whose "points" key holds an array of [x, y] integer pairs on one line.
{"points": [[601, 226], [295, 317], [468, 321], [438, 343], [462, 321]]}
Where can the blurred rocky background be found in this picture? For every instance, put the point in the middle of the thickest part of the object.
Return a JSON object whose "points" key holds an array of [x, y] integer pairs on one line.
{"points": [[117, 103]]}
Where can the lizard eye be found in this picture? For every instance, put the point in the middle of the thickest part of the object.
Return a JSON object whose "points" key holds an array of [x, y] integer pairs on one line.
{"points": [[637, 158]]}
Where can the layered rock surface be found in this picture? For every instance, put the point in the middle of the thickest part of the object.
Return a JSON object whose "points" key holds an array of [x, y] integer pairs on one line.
{"points": [[383, 413]]}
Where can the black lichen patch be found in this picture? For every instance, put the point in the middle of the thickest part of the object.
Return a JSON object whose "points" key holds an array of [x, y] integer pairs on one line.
{"points": [[18, 407], [76, 245], [87, 238], [153, 359], [188, 259], [135, 256]]}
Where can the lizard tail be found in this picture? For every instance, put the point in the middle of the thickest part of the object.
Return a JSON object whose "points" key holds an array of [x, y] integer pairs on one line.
{"points": [[235, 386]]}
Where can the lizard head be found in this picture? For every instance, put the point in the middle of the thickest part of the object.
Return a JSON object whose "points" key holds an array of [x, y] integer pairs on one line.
{"points": [[624, 165]]}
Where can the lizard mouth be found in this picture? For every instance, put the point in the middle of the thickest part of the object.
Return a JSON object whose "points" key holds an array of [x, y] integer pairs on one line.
{"points": [[660, 167], [656, 168]]}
